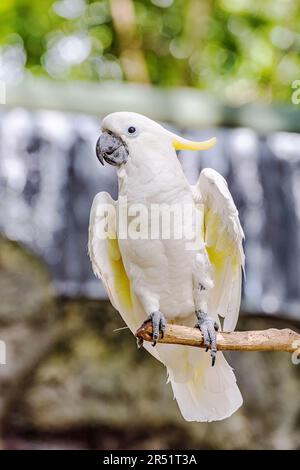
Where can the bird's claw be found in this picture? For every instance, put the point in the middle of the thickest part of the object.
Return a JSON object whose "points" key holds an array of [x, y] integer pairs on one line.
{"points": [[208, 327], [213, 353], [158, 325]]}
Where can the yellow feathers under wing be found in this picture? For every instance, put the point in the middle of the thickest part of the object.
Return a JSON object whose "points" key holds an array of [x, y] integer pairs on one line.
{"points": [[223, 236], [104, 252], [107, 263]]}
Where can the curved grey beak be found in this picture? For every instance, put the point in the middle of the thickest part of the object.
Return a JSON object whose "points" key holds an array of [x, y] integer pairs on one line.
{"points": [[112, 149]]}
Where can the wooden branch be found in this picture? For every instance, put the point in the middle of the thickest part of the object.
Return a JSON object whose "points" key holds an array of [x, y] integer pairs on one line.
{"points": [[264, 340]]}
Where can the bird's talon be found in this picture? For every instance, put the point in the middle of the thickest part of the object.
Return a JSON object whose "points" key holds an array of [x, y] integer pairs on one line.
{"points": [[213, 356], [155, 338], [208, 327], [158, 325]]}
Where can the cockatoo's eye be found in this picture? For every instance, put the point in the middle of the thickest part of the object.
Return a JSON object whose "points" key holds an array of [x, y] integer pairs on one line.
{"points": [[131, 130]]}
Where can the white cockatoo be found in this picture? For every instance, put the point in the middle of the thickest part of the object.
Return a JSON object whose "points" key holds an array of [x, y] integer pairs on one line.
{"points": [[193, 277]]}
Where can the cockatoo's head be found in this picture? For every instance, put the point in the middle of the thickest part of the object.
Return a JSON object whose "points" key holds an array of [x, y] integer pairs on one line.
{"points": [[125, 135]]}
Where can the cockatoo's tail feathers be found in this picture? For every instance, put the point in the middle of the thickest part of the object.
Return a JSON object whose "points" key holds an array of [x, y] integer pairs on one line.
{"points": [[199, 404], [203, 393]]}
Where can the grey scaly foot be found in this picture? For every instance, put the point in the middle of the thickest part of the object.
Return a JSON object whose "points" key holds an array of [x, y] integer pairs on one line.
{"points": [[208, 327], [158, 326]]}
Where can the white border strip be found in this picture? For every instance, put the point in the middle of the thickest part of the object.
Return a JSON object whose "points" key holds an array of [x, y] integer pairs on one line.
{"points": [[2, 353], [2, 92]]}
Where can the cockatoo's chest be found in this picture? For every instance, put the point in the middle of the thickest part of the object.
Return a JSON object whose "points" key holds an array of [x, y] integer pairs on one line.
{"points": [[159, 251]]}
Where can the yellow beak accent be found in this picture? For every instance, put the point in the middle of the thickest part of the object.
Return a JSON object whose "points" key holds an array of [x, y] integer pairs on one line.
{"points": [[184, 144]]}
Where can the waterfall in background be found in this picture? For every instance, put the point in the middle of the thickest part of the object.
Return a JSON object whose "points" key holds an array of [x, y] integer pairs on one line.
{"points": [[49, 175]]}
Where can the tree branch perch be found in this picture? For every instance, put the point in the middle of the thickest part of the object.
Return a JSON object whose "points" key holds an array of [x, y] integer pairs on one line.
{"points": [[265, 340]]}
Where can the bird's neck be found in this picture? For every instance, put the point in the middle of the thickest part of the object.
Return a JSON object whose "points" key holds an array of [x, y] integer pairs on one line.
{"points": [[153, 178]]}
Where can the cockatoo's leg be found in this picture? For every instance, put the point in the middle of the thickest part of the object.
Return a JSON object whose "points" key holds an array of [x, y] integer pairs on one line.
{"points": [[201, 287], [150, 303]]}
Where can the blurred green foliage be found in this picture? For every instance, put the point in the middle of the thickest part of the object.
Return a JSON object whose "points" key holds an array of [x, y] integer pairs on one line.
{"points": [[240, 50]]}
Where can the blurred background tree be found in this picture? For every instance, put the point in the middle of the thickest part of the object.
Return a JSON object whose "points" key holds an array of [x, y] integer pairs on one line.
{"points": [[239, 50]]}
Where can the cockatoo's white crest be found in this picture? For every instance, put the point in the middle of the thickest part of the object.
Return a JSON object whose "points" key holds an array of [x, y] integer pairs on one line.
{"points": [[136, 127]]}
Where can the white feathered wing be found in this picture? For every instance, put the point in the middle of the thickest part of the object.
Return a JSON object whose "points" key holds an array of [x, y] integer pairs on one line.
{"points": [[223, 236], [107, 263], [211, 393]]}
